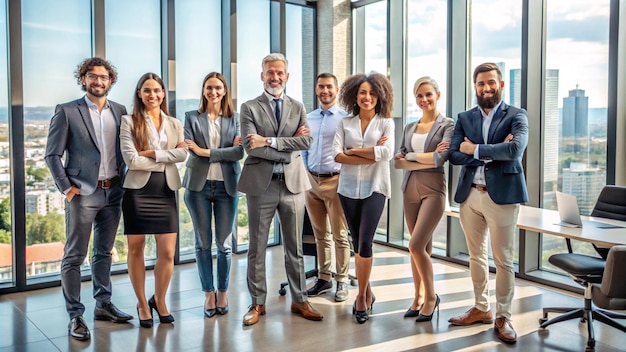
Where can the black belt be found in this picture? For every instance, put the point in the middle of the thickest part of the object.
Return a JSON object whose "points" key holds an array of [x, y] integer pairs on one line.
{"points": [[324, 174], [106, 184], [481, 188], [279, 176]]}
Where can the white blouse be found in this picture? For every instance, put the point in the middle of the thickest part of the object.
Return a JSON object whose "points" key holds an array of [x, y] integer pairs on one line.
{"points": [[360, 181], [215, 133], [418, 140]]}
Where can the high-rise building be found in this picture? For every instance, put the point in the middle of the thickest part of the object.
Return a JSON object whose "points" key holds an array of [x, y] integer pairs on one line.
{"points": [[550, 128], [575, 114], [585, 183]]}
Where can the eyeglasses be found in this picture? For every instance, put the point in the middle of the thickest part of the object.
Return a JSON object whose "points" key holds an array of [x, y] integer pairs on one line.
{"points": [[94, 77]]}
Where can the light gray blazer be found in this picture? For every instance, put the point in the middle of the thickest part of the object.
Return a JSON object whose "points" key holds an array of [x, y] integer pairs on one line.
{"points": [[197, 129], [441, 131], [140, 167], [257, 117], [72, 133]]}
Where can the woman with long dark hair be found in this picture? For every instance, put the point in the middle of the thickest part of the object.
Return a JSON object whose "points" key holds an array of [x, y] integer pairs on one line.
{"points": [[213, 136], [152, 143]]}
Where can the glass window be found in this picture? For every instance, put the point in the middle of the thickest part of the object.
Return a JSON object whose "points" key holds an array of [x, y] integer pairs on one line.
{"points": [[498, 41], [427, 56], [195, 57], [301, 54], [375, 38], [575, 114], [56, 37], [253, 16], [133, 45], [6, 250]]}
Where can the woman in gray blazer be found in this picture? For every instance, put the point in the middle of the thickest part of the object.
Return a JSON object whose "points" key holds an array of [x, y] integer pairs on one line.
{"points": [[423, 152], [213, 137], [152, 143]]}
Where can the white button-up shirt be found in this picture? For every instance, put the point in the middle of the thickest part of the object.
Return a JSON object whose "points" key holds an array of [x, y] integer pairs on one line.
{"points": [[360, 181]]}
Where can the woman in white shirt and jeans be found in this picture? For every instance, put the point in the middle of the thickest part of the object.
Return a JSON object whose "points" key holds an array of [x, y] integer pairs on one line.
{"points": [[364, 145]]}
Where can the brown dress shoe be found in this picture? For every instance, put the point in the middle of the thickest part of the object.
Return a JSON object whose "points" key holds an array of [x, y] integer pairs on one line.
{"points": [[306, 310], [505, 330], [472, 316], [254, 312]]}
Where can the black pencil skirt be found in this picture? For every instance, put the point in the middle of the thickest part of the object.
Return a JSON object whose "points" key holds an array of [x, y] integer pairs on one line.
{"points": [[150, 209]]}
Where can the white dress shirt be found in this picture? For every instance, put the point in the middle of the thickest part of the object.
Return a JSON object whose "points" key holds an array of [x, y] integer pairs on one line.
{"points": [[360, 181]]}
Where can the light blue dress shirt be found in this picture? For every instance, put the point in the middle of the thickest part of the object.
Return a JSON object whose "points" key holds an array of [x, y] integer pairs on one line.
{"points": [[479, 176], [323, 125]]}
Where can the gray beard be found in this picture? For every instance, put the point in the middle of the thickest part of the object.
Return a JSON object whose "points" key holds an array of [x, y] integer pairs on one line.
{"points": [[273, 91]]}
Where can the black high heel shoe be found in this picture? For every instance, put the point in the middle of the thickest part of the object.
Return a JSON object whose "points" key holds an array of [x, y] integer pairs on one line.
{"points": [[145, 323], [210, 312], [422, 317], [361, 315], [165, 319], [221, 310], [369, 311], [412, 313]]}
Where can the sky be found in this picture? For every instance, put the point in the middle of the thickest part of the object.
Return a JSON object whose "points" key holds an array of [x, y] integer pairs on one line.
{"points": [[57, 36]]}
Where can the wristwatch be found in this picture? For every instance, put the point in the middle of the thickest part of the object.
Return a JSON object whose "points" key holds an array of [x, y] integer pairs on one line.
{"points": [[269, 141]]}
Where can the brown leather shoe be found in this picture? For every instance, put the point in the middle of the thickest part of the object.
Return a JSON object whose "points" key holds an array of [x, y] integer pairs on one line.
{"points": [[505, 331], [472, 316], [306, 310], [254, 312]]}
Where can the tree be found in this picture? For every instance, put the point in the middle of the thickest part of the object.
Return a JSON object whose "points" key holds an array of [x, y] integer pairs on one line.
{"points": [[5, 236], [5, 214], [45, 228], [38, 174]]}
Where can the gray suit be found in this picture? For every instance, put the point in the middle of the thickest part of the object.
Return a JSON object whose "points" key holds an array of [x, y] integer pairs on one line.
{"points": [[72, 133], [266, 194]]}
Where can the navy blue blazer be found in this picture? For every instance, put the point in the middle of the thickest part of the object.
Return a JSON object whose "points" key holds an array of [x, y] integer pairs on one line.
{"points": [[504, 174], [197, 129]]}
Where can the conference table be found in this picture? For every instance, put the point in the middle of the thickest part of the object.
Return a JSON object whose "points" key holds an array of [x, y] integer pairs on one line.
{"points": [[546, 221]]}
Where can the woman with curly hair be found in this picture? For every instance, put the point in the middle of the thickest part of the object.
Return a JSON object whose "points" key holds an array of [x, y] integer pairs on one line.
{"points": [[364, 145]]}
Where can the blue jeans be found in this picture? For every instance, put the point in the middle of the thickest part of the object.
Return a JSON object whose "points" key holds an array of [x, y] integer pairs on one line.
{"points": [[212, 200]]}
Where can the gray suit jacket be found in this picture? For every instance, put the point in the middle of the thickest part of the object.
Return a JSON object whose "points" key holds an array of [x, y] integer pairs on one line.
{"points": [[257, 117], [197, 129], [140, 167], [72, 133], [441, 131]]}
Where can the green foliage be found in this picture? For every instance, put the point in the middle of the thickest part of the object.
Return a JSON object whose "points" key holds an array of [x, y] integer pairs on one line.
{"points": [[5, 236], [5, 214], [38, 174], [44, 228]]}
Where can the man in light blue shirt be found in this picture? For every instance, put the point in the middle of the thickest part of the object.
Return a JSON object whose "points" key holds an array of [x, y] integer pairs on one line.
{"points": [[322, 200]]}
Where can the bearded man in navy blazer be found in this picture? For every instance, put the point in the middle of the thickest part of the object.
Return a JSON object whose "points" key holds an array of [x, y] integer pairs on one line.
{"points": [[87, 131], [275, 131], [489, 142]]}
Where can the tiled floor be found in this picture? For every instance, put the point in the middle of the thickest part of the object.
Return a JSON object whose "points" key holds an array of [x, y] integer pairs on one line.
{"points": [[37, 321]]}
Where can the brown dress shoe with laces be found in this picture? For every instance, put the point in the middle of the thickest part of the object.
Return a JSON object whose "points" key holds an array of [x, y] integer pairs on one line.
{"points": [[254, 312], [505, 331], [472, 316], [306, 310]]}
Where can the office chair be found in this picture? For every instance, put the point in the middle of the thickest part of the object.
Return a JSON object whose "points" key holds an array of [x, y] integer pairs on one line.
{"points": [[608, 293], [589, 271], [308, 248]]}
